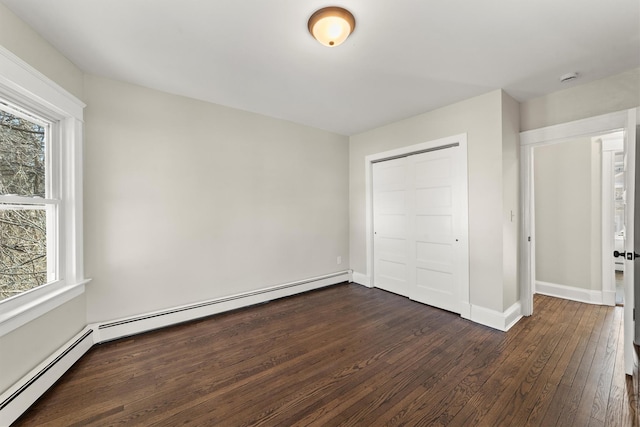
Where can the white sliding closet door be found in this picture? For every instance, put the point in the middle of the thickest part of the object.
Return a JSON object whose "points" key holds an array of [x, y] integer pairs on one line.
{"points": [[417, 227], [390, 210], [432, 247]]}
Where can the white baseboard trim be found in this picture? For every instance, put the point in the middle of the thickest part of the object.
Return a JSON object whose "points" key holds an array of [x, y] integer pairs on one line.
{"points": [[484, 316], [609, 298], [502, 321], [465, 311], [361, 279], [512, 315], [17, 399], [571, 293]]}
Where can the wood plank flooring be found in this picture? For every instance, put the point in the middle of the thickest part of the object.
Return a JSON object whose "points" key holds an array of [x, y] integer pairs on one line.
{"points": [[352, 356]]}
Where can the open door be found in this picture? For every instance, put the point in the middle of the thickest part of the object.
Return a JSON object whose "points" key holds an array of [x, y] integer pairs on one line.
{"points": [[632, 239]]}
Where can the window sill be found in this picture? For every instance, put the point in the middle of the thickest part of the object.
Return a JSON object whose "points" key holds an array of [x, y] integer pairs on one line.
{"points": [[16, 312]]}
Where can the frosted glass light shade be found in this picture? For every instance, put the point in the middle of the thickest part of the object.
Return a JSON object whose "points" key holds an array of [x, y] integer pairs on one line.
{"points": [[331, 25]]}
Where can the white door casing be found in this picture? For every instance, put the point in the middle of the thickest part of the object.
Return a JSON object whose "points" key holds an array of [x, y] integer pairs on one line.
{"points": [[612, 145]]}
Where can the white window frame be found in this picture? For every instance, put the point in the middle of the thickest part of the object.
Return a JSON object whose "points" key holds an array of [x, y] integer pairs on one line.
{"points": [[51, 203], [28, 89]]}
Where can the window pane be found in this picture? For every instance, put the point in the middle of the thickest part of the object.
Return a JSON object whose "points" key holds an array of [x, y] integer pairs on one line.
{"points": [[23, 249], [22, 156]]}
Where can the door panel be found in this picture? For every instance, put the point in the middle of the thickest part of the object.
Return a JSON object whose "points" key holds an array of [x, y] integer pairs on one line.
{"points": [[391, 226], [631, 237], [636, 236], [434, 227], [438, 255], [433, 244], [434, 199], [433, 166]]}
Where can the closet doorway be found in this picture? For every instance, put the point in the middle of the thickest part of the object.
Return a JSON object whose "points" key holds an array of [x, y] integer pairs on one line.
{"points": [[419, 223]]}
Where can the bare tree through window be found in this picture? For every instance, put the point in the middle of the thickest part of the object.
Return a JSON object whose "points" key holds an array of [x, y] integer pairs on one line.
{"points": [[23, 227]]}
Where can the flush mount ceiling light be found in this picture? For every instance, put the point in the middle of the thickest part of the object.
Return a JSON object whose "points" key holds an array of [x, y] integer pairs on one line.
{"points": [[331, 25]]}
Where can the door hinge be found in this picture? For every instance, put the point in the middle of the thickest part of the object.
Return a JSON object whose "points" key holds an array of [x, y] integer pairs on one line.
{"points": [[529, 238], [634, 314]]}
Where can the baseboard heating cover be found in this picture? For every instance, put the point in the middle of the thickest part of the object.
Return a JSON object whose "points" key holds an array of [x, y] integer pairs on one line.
{"points": [[24, 393], [136, 324]]}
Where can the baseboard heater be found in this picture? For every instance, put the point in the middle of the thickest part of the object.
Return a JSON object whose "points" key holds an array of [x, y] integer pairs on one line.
{"points": [[39, 380], [26, 391], [220, 300], [137, 324], [44, 370]]}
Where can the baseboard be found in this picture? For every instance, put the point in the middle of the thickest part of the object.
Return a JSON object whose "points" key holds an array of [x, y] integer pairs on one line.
{"points": [[569, 292], [361, 279], [465, 311], [512, 315], [120, 328], [27, 390], [17, 399], [484, 316], [609, 298], [502, 321]]}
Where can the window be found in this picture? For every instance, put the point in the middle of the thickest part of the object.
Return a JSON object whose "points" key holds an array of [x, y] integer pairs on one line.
{"points": [[41, 260], [28, 207]]}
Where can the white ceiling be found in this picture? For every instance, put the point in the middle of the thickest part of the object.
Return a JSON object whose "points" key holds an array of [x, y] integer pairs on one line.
{"points": [[405, 57]]}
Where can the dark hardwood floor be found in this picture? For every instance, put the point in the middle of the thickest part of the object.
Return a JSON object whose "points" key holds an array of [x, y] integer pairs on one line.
{"points": [[352, 356]]}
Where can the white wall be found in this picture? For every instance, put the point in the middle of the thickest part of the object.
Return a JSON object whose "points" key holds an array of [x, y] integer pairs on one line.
{"points": [[614, 93], [187, 201], [511, 199], [481, 118], [19, 38], [567, 214], [24, 348]]}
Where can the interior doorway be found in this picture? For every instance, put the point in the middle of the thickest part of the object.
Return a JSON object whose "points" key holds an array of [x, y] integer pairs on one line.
{"points": [[579, 218], [624, 121], [568, 208]]}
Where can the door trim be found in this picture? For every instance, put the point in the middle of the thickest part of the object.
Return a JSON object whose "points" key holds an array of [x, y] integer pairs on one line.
{"points": [[461, 140], [611, 146], [529, 140]]}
